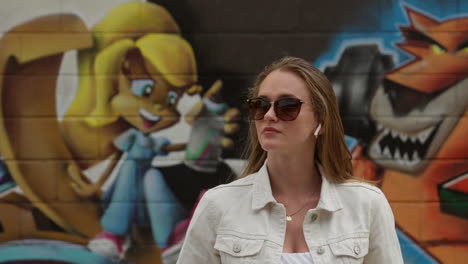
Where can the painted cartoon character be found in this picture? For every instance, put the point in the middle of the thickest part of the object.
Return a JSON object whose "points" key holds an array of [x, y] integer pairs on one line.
{"points": [[148, 104], [419, 148], [143, 79], [134, 67]]}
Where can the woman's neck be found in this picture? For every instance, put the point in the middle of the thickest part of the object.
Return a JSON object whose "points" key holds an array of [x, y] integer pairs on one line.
{"points": [[292, 174]]}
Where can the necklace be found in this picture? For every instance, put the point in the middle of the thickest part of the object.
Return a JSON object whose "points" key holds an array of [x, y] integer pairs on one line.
{"points": [[289, 216]]}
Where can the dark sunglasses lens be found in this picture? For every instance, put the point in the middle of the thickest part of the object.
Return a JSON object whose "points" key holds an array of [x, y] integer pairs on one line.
{"points": [[287, 109], [258, 108]]}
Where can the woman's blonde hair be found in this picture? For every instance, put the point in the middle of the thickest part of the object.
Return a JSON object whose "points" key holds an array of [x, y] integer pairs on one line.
{"points": [[331, 150]]}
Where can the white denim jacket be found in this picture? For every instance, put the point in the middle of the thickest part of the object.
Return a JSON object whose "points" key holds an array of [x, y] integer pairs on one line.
{"points": [[241, 222]]}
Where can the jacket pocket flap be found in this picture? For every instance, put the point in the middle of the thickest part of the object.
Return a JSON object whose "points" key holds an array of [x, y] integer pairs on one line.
{"points": [[238, 247], [356, 247]]}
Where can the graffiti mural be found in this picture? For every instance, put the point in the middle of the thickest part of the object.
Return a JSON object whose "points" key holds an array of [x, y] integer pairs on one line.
{"points": [[130, 84], [412, 128], [115, 118]]}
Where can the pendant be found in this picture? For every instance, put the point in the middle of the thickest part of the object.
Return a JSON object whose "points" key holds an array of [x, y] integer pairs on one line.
{"points": [[288, 218]]}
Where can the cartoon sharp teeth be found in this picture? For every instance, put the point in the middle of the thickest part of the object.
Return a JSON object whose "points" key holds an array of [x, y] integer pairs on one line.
{"points": [[386, 131], [403, 137], [397, 154], [379, 127], [410, 163], [413, 139], [149, 116], [386, 153], [377, 148], [394, 133], [401, 162], [416, 158], [406, 156], [423, 136], [406, 161]]}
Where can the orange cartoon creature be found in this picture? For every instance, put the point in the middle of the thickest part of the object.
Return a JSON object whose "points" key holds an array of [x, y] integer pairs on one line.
{"points": [[134, 67], [420, 147]]}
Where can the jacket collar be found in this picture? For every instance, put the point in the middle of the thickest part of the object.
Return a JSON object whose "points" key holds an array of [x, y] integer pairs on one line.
{"points": [[262, 194]]}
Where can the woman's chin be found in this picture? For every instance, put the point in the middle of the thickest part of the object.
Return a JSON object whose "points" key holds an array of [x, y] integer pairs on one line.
{"points": [[284, 147], [273, 146]]}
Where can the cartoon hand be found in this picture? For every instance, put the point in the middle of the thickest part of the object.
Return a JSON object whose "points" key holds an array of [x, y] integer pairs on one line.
{"points": [[82, 187], [231, 115], [230, 126], [213, 101]]}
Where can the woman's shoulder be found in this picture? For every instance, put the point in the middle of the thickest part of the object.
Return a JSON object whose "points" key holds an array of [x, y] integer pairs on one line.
{"points": [[232, 191], [357, 185], [238, 183], [360, 191]]}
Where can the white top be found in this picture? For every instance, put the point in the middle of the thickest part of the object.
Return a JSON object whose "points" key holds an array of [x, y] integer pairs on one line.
{"points": [[296, 258], [241, 222]]}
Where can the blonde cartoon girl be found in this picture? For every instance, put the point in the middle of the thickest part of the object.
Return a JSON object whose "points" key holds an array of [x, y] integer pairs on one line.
{"points": [[130, 89]]}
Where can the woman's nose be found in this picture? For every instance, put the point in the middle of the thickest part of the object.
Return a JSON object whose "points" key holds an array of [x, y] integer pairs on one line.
{"points": [[270, 115]]}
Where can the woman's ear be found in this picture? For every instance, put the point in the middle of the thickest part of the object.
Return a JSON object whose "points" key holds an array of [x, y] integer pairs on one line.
{"points": [[317, 130]]}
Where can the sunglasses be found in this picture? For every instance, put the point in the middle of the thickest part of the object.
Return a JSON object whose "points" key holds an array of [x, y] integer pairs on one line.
{"points": [[286, 109]]}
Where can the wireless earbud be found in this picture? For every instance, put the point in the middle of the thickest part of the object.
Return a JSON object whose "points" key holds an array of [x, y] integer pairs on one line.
{"points": [[317, 130]]}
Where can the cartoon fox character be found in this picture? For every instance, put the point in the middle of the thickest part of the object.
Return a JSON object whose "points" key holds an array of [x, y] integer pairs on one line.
{"points": [[134, 67], [420, 149]]}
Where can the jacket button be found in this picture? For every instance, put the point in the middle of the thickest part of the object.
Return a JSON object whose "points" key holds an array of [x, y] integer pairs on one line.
{"points": [[236, 248], [313, 217], [357, 250], [320, 251]]}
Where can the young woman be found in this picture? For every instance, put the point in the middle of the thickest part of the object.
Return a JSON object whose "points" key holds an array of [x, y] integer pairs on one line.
{"points": [[297, 201]]}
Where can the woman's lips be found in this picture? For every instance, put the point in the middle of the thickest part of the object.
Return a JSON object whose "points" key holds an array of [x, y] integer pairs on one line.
{"points": [[269, 130]]}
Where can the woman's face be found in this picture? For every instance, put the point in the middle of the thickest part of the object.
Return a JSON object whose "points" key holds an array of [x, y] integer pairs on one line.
{"points": [[275, 134]]}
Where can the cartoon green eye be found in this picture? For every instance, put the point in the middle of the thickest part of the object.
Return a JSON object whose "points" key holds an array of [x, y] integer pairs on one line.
{"points": [[171, 98], [437, 49], [142, 87]]}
